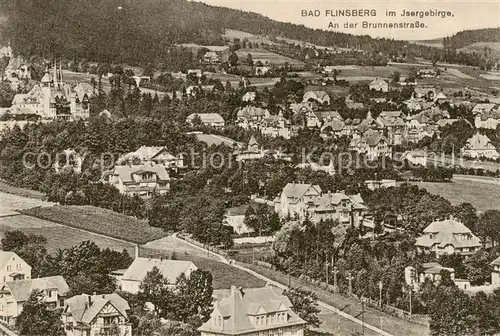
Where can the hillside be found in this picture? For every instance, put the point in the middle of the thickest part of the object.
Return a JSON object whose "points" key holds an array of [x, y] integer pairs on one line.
{"points": [[486, 48], [134, 32], [469, 37]]}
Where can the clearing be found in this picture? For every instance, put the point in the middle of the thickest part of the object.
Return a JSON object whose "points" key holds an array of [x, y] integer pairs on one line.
{"points": [[479, 194], [59, 236], [100, 221], [11, 204], [264, 56]]}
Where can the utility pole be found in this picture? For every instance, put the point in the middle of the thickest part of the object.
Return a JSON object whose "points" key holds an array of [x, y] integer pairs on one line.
{"points": [[253, 255], [326, 274], [410, 300], [380, 285], [335, 272], [363, 313], [349, 278]]}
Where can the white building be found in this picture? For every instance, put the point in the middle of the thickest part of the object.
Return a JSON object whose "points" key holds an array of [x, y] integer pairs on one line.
{"points": [[379, 84], [208, 119], [448, 237], [170, 269], [14, 294], [13, 268], [89, 315], [152, 155], [54, 99], [141, 180], [253, 311], [480, 146]]}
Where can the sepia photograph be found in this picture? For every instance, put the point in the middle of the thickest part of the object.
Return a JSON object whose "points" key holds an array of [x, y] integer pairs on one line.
{"points": [[249, 168]]}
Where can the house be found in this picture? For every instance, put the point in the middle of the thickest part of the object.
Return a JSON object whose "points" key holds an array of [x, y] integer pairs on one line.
{"points": [[495, 274], [372, 144], [249, 96], [377, 184], [251, 116], [197, 72], [140, 180], [480, 146], [141, 79], [447, 237], [394, 124], [261, 70], [378, 84], [352, 105], [212, 57], [432, 271], [169, 269], [54, 99], [427, 73], [483, 108], [6, 51], [416, 157], [320, 96], [14, 294], [235, 218], [208, 119], [489, 120], [330, 169], [13, 268], [152, 155], [276, 126], [253, 311], [89, 315], [293, 197], [253, 151], [424, 92]]}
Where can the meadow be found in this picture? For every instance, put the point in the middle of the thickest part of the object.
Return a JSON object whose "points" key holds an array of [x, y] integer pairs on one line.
{"points": [[100, 221]]}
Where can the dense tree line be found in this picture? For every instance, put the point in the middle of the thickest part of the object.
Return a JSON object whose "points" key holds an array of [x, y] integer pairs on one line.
{"points": [[468, 37]]}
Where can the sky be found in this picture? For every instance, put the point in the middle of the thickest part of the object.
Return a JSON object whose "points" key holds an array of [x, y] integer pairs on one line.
{"points": [[466, 15]]}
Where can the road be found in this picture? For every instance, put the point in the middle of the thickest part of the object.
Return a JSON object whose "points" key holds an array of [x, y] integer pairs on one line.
{"points": [[329, 314]]}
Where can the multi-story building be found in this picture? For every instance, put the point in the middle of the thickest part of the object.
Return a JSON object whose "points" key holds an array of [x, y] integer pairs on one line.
{"points": [[207, 119], [298, 200], [480, 146], [447, 237], [394, 124], [89, 315], [13, 268], [495, 274], [152, 155], [140, 180], [54, 99], [378, 84], [14, 294], [372, 144], [169, 269], [251, 116], [253, 311]]}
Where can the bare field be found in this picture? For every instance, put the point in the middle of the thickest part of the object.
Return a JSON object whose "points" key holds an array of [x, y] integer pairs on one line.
{"points": [[11, 204], [265, 55], [482, 195]]}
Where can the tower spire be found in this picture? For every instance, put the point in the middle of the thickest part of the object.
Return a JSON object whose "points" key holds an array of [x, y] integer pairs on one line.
{"points": [[54, 77]]}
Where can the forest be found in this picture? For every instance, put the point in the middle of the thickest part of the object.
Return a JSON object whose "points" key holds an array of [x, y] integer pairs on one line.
{"points": [[140, 33]]}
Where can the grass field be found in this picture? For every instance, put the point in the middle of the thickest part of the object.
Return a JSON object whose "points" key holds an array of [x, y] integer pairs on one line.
{"points": [[265, 55], [224, 276], [58, 237], [483, 196], [10, 189], [11, 204], [100, 221]]}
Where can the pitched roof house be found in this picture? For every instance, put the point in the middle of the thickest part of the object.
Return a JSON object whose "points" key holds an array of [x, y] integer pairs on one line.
{"points": [[12, 267], [319, 95], [207, 119], [170, 269], [480, 145], [141, 180], [378, 84], [88, 315], [151, 154], [14, 294], [259, 311], [483, 108], [447, 237]]}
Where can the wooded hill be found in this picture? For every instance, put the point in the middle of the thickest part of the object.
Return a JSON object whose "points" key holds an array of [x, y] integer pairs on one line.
{"points": [[468, 37]]}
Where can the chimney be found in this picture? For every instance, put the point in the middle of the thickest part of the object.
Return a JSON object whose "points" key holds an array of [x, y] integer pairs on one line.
{"points": [[240, 289], [90, 300]]}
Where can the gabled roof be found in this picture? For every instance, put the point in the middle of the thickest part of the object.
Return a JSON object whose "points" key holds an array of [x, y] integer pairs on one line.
{"points": [[84, 310], [206, 117], [378, 81], [170, 269], [316, 94], [443, 234], [148, 153], [237, 309], [126, 172], [496, 262], [22, 289], [6, 256], [296, 190], [252, 111], [478, 142], [372, 138]]}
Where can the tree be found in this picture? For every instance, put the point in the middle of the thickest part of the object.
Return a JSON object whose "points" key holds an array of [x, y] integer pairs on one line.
{"points": [[194, 297], [37, 319], [467, 214], [249, 59], [304, 304], [395, 76], [451, 312], [154, 289], [233, 59], [6, 94], [489, 225]]}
